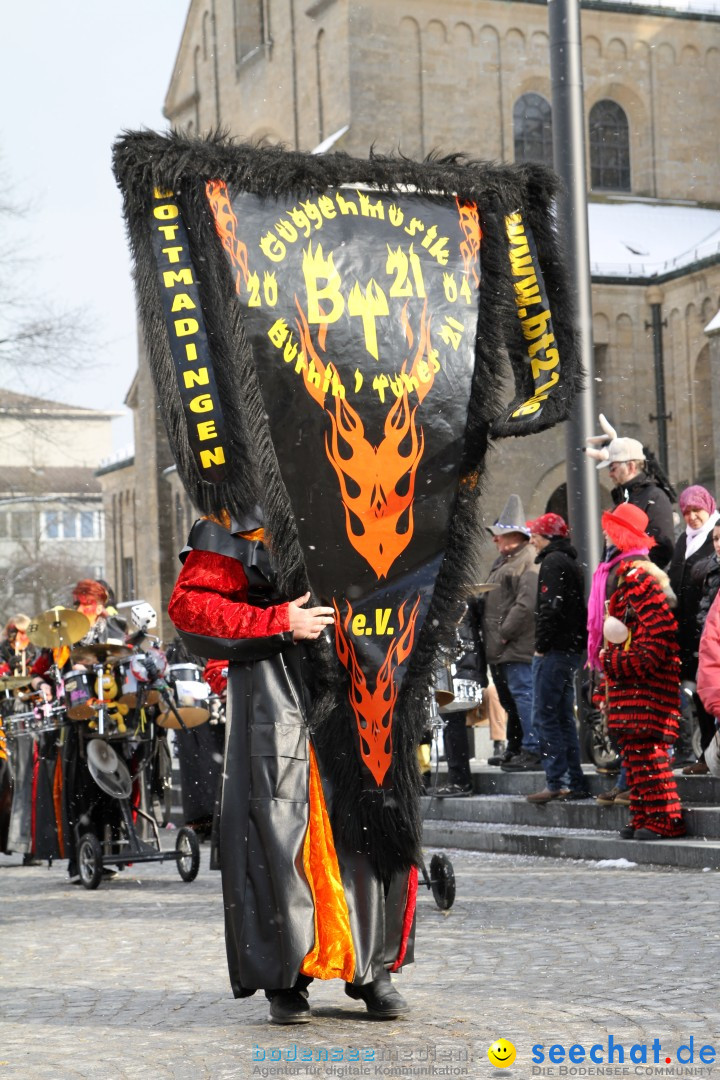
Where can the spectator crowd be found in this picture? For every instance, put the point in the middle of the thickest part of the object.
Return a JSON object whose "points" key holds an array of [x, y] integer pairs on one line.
{"points": [[643, 652]]}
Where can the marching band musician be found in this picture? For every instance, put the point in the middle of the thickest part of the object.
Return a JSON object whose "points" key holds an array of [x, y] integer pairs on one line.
{"points": [[73, 789], [298, 906], [17, 655], [92, 598]]}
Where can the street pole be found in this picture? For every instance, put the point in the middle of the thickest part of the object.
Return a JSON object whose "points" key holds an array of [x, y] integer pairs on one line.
{"points": [[568, 121], [662, 417]]}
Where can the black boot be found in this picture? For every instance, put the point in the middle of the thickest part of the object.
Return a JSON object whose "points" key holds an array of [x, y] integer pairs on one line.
{"points": [[288, 1006], [380, 997], [684, 754], [502, 759]]}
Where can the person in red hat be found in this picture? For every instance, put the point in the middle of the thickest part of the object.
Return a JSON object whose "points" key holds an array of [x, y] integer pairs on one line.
{"points": [[640, 661], [560, 633]]}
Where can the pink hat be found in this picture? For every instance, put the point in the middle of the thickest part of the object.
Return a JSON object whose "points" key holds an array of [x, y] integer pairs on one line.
{"points": [[698, 497]]}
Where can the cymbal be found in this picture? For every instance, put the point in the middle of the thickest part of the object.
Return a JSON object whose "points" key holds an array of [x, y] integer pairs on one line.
{"points": [[12, 682], [98, 653], [487, 586], [102, 756], [57, 627], [192, 717]]}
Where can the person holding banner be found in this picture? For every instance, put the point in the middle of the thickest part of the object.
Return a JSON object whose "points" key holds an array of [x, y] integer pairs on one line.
{"points": [[297, 906]]}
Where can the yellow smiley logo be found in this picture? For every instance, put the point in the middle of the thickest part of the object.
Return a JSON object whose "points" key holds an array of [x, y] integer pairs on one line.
{"points": [[501, 1053]]}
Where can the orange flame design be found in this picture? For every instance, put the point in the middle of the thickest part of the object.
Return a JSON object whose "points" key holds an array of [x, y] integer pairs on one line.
{"points": [[373, 709], [226, 226], [469, 248], [316, 389], [375, 516], [378, 513]]}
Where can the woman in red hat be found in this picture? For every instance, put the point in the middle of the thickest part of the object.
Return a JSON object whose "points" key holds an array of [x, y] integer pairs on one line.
{"points": [[641, 666]]}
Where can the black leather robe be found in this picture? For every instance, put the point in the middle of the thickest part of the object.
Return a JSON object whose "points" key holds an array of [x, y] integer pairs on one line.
{"points": [[269, 910]]}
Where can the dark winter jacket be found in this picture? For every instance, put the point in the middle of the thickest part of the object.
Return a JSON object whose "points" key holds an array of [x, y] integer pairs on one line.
{"points": [[642, 492], [688, 586], [710, 586], [508, 620], [560, 611]]}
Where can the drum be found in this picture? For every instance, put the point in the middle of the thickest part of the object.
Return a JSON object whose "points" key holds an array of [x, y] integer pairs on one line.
{"points": [[18, 724], [467, 694], [443, 686], [191, 695], [49, 718], [133, 672], [79, 691], [186, 673]]}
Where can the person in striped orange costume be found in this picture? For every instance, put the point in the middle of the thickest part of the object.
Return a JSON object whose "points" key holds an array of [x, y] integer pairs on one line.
{"points": [[641, 664]]}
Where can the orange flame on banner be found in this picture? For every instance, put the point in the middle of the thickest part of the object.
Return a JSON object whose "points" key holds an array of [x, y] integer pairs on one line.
{"points": [[373, 709], [469, 248], [372, 477], [226, 226], [315, 374], [374, 515]]}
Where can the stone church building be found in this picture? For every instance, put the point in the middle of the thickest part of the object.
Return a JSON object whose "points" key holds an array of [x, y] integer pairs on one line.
{"points": [[474, 76]]}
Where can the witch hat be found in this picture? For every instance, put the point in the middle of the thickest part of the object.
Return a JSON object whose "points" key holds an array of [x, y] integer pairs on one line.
{"points": [[512, 519]]}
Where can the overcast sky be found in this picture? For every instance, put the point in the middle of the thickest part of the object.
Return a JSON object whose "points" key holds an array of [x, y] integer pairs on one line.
{"points": [[73, 75]]}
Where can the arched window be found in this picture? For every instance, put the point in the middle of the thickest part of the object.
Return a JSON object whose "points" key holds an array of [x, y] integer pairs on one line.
{"points": [[249, 27], [532, 129], [609, 147]]}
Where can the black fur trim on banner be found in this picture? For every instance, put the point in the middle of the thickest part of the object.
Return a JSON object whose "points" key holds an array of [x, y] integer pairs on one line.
{"points": [[385, 825]]}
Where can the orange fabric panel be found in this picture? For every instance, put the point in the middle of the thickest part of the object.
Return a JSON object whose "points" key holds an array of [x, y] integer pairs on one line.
{"points": [[333, 954]]}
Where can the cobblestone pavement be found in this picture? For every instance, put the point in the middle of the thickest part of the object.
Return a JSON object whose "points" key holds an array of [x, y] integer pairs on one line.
{"points": [[129, 982]]}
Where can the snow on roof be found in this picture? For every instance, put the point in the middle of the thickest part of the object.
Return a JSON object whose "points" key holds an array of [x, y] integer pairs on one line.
{"points": [[695, 7], [640, 239]]}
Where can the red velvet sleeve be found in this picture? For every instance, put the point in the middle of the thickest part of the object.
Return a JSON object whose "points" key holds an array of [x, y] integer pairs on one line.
{"points": [[213, 675], [210, 596], [42, 663]]}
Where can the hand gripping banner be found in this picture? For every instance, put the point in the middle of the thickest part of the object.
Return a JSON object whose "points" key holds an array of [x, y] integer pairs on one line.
{"points": [[329, 339]]}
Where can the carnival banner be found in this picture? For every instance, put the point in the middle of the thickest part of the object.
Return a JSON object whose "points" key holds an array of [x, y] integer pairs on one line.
{"points": [[337, 332]]}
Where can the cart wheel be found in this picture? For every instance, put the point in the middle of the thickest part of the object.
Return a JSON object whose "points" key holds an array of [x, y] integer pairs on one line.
{"points": [[187, 846], [89, 857], [442, 881]]}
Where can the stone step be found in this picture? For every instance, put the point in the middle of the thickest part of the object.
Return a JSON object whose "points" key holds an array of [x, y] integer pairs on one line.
{"points": [[702, 821], [487, 780], [557, 843]]}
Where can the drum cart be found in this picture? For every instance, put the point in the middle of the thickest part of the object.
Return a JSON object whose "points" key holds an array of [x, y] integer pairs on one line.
{"points": [[111, 775]]}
